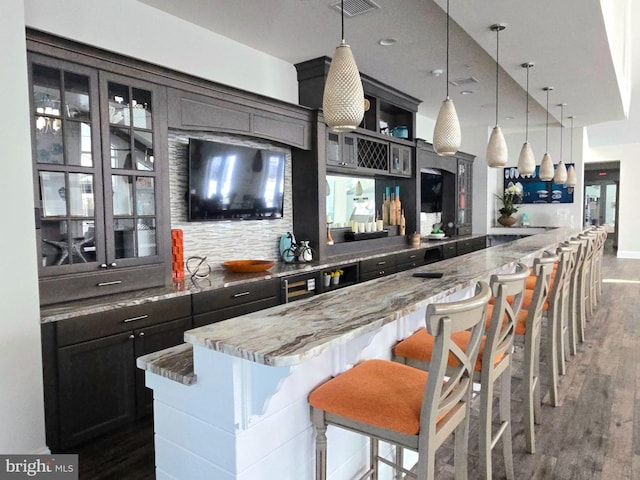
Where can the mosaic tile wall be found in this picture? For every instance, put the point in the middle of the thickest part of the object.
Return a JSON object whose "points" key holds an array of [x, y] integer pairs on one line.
{"points": [[224, 240]]}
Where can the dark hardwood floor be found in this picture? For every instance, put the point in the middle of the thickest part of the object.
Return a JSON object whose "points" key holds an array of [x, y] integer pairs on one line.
{"points": [[593, 434]]}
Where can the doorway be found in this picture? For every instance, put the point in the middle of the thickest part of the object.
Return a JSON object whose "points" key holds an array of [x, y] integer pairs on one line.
{"points": [[601, 195]]}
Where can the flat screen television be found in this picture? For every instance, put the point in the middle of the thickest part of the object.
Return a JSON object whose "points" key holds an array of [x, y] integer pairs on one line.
{"points": [[234, 182], [430, 191]]}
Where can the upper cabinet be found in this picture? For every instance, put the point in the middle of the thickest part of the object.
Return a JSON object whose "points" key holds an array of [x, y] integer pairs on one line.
{"points": [[99, 156]]}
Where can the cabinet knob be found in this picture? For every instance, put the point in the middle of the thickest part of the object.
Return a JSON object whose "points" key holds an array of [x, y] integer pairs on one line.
{"points": [[113, 264], [132, 336], [104, 265], [141, 334]]}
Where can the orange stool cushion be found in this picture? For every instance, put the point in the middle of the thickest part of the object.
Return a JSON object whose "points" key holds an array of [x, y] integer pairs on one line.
{"points": [[419, 346], [528, 297], [377, 392], [521, 323]]}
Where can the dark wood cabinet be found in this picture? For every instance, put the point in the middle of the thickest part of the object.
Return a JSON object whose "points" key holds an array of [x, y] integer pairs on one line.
{"points": [[216, 305], [100, 160], [410, 259], [377, 267], [471, 245], [449, 250], [341, 150], [91, 381], [457, 187]]}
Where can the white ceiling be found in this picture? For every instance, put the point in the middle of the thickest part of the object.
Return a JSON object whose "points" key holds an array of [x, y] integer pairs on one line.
{"points": [[565, 39]]}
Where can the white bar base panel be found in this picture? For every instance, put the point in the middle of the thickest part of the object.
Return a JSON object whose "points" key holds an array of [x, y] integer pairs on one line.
{"points": [[247, 421]]}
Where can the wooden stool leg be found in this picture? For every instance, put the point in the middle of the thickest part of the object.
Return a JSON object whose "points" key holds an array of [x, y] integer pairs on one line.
{"points": [[373, 458], [552, 361], [399, 461], [317, 418], [460, 453], [505, 419], [529, 392], [486, 416]]}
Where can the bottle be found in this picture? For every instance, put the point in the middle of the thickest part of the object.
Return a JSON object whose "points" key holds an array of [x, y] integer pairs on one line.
{"points": [[385, 209], [392, 211], [403, 223], [398, 206]]}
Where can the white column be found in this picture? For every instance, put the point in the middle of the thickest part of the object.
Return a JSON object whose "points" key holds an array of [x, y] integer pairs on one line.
{"points": [[21, 402]]}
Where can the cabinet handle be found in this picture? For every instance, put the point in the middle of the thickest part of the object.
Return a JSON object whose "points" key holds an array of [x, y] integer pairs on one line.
{"points": [[241, 294], [106, 284], [381, 272], [141, 334], [412, 256], [133, 319], [382, 263], [132, 336]]}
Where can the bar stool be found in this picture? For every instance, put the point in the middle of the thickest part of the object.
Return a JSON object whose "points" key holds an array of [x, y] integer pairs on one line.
{"points": [[406, 406], [529, 325], [572, 283], [577, 305], [494, 362], [587, 265]]}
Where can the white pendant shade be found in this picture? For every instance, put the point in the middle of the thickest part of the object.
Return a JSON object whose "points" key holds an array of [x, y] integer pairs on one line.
{"points": [[546, 168], [526, 161], [447, 137], [572, 179], [560, 175], [497, 153], [343, 99]]}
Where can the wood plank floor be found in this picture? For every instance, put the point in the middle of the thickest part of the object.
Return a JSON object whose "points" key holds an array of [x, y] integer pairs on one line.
{"points": [[593, 434]]}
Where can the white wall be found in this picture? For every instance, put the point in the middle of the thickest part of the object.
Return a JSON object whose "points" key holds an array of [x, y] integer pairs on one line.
{"points": [[628, 225], [21, 401], [140, 31]]}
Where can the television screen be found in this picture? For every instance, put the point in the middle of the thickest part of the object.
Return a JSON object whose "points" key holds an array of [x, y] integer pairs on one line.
{"points": [[430, 192], [233, 182]]}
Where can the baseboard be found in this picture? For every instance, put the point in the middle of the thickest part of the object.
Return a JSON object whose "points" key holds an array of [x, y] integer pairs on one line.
{"points": [[628, 254]]}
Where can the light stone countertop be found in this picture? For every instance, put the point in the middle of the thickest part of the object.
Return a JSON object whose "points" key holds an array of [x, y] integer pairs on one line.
{"points": [[219, 278], [289, 334]]}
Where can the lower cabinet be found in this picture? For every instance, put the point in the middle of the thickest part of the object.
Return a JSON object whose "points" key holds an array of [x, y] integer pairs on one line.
{"points": [[411, 259], [92, 384], [377, 267], [471, 245], [223, 303]]}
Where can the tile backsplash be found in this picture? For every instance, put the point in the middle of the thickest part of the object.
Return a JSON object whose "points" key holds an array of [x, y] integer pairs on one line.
{"points": [[427, 220], [229, 239]]}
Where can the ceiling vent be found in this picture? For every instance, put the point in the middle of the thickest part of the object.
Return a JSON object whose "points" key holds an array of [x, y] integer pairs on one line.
{"points": [[461, 82], [356, 7]]}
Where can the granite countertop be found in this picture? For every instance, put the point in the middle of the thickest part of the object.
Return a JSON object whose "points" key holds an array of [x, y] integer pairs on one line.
{"points": [[288, 334], [219, 278]]}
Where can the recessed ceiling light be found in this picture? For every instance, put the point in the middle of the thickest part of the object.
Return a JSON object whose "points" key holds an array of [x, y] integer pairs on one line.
{"points": [[385, 42], [467, 92]]}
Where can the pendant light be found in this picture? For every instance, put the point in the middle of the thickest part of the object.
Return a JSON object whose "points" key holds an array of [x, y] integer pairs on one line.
{"points": [[447, 137], [343, 98], [560, 176], [572, 179], [527, 161], [497, 153], [546, 166]]}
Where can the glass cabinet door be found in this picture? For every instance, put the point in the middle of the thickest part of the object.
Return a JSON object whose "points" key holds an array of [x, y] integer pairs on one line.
{"points": [[68, 175], [131, 210], [463, 191]]}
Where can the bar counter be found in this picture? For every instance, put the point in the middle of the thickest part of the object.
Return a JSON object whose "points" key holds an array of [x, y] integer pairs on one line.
{"points": [[242, 412]]}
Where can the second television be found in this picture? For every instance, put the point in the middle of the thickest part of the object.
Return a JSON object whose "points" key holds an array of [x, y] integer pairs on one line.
{"points": [[234, 182]]}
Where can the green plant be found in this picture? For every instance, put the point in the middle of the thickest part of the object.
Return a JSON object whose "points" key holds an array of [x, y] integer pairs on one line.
{"points": [[511, 196]]}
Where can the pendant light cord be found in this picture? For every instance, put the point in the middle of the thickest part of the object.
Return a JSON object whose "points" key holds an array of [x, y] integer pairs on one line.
{"points": [[342, 12], [447, 48], [571, 146], [526, 134], [497, 68], [546, 144], [561, 128]]}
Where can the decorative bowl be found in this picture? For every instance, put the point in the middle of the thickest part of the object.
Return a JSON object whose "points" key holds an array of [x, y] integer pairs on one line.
{"points": [[248, 266], [436, 235]]}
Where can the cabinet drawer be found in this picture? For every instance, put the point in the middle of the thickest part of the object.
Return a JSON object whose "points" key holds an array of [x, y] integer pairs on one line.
{"points": [[235, 311], [414, 256], [382, 272], [471, 245], [377, 264], [449, 250], [205, 302], [465, 230], [101, 324]]}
